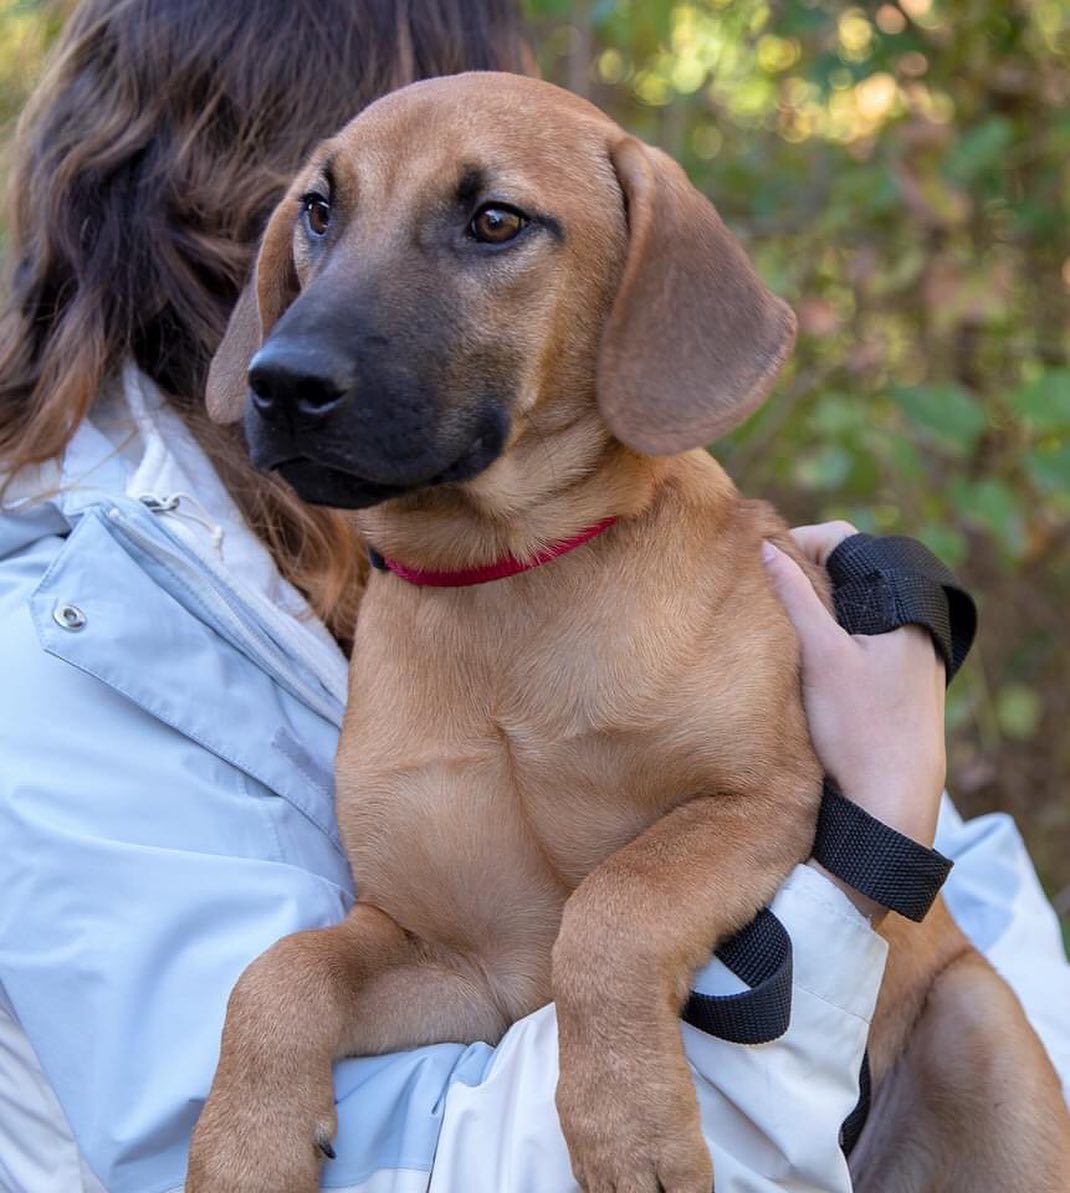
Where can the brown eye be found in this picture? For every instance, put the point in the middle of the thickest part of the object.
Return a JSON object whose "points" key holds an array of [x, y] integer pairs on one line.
{"points": [[317, 213], [496, 225]]}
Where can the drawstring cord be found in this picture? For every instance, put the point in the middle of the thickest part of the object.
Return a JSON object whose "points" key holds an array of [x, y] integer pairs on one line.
{"points": [[174, 505]]}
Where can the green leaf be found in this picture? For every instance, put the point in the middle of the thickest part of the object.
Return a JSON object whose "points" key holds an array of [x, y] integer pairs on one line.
{"points": [[1018, 710], [979, 150], [947, 414], [826, 468], [837, 414], [901, 454], [945, 541], [861, 516], [995, 507], [1048, 466], [1044, 404]]}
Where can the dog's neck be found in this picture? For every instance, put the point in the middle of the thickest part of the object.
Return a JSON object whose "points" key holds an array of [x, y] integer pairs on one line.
{"points": [[545, 489]]}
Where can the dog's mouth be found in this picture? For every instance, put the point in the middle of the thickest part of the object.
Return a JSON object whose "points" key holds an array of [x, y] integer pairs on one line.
{"points": [[321, 483]]}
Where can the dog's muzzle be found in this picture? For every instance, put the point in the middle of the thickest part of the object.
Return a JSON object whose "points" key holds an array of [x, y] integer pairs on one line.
{"points": [[350, 443]]}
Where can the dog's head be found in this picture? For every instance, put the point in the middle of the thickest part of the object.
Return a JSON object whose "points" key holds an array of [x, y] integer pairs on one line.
{"points": [[479, 258]]}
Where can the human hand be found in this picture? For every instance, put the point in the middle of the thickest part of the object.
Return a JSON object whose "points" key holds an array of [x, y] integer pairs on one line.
{"points": [[875, 705]]}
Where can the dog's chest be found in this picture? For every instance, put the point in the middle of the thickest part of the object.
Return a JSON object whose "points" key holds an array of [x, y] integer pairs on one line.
{"points": [[542, 742]]}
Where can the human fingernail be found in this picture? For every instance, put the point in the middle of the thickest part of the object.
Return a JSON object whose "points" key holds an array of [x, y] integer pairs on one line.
{"points": [[769, 552]]}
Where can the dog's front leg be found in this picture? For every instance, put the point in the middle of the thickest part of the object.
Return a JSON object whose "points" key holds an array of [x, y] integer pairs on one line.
{"points": [[362, 986], [632, 936]]}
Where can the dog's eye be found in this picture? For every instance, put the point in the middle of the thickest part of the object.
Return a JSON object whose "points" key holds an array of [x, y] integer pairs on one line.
{"points": [[496, 225], [317, 213]]}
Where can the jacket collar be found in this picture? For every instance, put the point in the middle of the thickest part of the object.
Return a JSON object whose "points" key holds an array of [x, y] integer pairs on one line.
{"points": [[134, 447]]}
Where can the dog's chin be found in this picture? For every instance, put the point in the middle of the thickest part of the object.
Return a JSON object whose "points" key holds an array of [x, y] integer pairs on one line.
{"points": [[320, 483]]}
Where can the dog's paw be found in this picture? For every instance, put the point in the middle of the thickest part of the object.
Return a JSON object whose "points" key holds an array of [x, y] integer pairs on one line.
{"points": [[264, 1137], [632, 1133]]}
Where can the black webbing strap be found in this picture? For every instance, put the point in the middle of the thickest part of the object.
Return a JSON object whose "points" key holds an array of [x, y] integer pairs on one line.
{"points": [[874, 859], [856, 1120], [890, 869], [760, 955], [880, 584]]}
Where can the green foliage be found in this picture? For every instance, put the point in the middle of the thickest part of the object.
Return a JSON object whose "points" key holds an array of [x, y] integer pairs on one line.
{"points": [[945, 415], [1019, 710], [900, 173], [26, 29]]}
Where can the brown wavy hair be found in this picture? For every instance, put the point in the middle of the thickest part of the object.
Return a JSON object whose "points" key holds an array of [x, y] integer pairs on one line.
{"points": [[144, 169]]}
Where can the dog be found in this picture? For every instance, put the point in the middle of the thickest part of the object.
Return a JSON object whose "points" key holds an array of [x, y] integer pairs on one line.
{"points": [[498, 328]]}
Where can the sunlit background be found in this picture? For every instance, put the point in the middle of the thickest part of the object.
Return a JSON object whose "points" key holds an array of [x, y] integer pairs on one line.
{"points": [[901, 173]]}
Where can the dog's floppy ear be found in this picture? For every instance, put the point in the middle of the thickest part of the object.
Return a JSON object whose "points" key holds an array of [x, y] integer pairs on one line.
{"points": [[267, 294], [694, 339]]}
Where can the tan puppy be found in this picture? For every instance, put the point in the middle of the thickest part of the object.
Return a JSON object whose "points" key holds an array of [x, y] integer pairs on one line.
{"points": [[491, 320]]}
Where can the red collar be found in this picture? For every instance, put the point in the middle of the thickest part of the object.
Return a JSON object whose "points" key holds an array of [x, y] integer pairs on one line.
{"points": [[508, 565]]}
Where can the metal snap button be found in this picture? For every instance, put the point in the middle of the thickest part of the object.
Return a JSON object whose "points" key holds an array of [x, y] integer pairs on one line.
{"points": [[68, 617]]}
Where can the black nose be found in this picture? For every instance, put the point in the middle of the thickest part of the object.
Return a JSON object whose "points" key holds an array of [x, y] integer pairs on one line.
{"points": [[293, 379]]}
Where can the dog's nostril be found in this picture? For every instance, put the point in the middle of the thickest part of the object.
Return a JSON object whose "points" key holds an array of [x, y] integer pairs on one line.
{"points": [[319, 395], [301, 382], [262, 392]]}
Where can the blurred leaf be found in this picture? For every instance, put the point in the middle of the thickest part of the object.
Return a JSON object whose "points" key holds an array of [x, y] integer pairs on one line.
{"points": [[1044, 403], [826, 468], [902, 272], [945, 541], [980, 149], [1019, 710], [971, 292], [1048, 466], [836, 414], [948, 414], [905, 458], [994, 506]]}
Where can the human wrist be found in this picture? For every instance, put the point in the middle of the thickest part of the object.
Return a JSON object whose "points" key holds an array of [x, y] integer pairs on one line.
{"points": [[906, 799], [879, 862]]}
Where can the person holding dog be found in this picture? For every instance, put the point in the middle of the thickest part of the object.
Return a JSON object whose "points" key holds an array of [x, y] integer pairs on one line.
{"points": [[172, 622]]}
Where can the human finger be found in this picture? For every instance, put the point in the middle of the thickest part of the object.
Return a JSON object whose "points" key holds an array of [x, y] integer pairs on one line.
{"points": [[818, 541], [816, 627]]}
